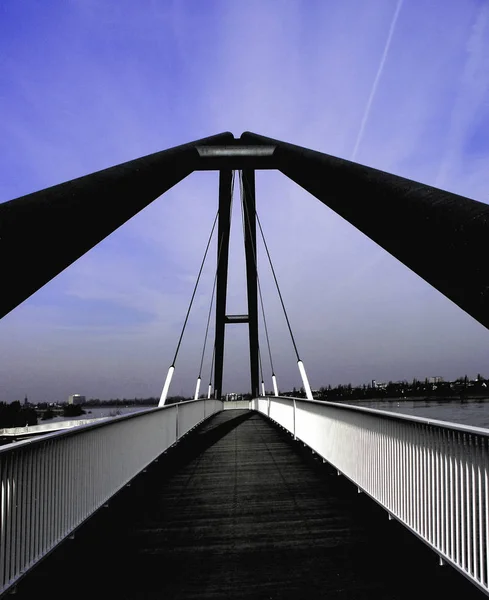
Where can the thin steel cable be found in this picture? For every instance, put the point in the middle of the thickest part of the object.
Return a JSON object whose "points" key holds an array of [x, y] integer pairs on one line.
{"points": [[212, 363], [195, 289], [266, 327], [208, 323], [261, 366], [258, 281], [277, 285]]}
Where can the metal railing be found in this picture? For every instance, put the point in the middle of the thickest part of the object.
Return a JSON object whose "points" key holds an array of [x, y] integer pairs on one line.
{"points": [[50, 485], [431, 475], [31, 430]]}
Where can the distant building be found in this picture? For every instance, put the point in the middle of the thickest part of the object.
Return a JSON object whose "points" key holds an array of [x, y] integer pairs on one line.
{"points": [[76, 399], [435, 380]]}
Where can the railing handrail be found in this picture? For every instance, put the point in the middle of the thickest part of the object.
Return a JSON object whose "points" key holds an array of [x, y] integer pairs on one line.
{"points": [[42, 437], [391, 415]]}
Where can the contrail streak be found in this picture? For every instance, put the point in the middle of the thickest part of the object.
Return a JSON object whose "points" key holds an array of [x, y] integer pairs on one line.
{"points": [[377, 79]]}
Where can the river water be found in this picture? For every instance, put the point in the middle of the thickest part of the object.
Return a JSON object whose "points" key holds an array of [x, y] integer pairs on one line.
{"points": [[468, 412], [99, 412]]}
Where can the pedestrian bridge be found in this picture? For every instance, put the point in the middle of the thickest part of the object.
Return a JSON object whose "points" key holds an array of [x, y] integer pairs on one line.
{"points": [[193, 501]]}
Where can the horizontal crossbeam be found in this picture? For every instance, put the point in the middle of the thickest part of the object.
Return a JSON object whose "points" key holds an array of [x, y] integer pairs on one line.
{"points": [[236, 156], [236, 319]]}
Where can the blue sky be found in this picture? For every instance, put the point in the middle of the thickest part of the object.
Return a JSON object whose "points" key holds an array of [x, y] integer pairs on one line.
{"points": [[85, 84]]}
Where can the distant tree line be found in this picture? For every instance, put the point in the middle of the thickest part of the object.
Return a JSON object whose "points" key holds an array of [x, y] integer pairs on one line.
{"points": [[72, 410], [93, 402], [122, 402], [462, 387], [15, 415], [48, 411]]}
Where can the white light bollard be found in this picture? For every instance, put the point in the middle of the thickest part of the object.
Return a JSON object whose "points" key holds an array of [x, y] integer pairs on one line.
{"points": [[263, 388], [209, 392], [197, 389], [305, 381], [275, 388], [166, 387]]}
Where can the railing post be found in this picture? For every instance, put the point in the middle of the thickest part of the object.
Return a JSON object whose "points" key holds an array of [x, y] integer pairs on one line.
{"points": [[294, 411], [176, 423]]}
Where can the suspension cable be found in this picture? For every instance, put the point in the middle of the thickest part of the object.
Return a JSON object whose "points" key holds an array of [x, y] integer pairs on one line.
{"points": [[212, 363], [278, 287], [261, 366], [207, 327], [300, 364], [245, 212], [195, 289]]}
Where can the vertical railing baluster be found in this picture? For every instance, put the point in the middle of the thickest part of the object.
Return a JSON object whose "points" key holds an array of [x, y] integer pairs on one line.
{"points": [[475, 529], [458, 508], [463, 508], [18, 517], [486, 509], [429, 491], [8, 516], [480, 510], [404, 479], [419, 462], [398, 475], [389, 464], [437, 478], [412, 476], [49, 493], [446, 493], [468, 507], [58, 518], [24, 489], [451, 516], [424, 495], [3, 501]]}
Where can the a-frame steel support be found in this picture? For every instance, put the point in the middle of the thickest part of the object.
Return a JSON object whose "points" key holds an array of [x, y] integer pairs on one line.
{"points": [[441, 236]]}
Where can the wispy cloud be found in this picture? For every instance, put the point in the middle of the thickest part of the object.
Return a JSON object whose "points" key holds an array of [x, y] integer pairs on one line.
{"points": [[378, 75]]}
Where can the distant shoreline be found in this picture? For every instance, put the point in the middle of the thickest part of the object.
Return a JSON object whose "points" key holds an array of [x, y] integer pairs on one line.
{"points": [[417, 399]]}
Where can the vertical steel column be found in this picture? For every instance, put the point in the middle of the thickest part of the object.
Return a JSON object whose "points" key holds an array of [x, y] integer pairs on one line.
{"points": [[251, 275], [224, 226]]}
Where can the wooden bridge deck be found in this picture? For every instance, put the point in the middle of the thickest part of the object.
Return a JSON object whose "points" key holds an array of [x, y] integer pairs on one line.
{"points": [[240, 510]]}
